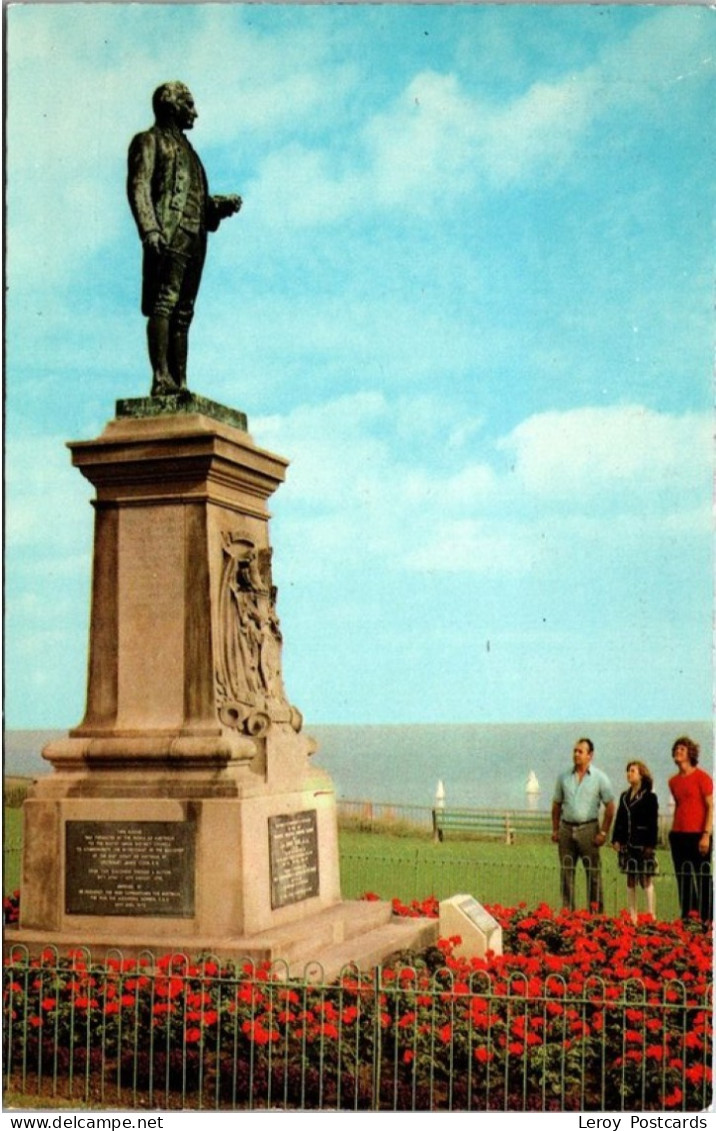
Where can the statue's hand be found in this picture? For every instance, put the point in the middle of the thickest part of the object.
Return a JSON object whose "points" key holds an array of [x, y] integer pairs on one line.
{"points": [[155, 242], [228, 205]]}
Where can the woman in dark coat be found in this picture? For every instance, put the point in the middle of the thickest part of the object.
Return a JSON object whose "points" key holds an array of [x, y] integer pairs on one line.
{"points": [[636, 829]]}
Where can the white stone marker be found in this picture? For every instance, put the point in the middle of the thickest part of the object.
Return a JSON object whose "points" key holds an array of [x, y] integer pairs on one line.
{"points": [[462, 915]]}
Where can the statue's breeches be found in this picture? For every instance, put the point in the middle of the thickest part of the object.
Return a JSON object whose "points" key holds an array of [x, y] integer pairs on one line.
{"points": [[171, 277]]}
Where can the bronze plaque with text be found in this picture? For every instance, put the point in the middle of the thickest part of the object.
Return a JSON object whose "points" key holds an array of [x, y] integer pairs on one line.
{"points": [[293, 849], [130, 868]]}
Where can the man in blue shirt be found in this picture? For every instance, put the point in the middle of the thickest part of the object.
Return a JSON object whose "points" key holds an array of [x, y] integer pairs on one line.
{"points": [[578, 795]]}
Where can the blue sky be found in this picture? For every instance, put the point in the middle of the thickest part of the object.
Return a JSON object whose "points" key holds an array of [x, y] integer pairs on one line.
{"points": [[469, 296]]}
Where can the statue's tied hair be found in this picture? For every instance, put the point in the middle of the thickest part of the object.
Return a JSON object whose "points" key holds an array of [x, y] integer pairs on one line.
{"points": [[165, 97]]}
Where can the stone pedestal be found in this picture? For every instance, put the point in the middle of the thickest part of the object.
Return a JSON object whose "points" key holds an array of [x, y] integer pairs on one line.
{"points": [[184, 810]]}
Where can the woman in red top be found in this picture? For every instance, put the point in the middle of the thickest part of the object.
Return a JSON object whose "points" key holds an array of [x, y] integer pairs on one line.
{"points": [[691, 832]]}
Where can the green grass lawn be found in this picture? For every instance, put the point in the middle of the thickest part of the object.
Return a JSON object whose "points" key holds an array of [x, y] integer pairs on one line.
{"points": [[415, 867], [509, 874], [378, 844]]}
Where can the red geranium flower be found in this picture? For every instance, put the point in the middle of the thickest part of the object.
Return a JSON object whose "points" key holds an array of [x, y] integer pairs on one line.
{"points": [[168, 987], [674, 1098]]}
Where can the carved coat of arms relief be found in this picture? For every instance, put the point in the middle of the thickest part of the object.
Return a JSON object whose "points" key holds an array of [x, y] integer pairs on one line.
{"points": [[249, 679]]}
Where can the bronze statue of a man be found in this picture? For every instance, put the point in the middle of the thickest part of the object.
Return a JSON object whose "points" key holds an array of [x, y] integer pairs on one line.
{"points": [[170, 201]]}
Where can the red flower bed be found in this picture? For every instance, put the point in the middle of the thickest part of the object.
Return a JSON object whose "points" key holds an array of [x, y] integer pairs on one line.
{"points": [[583, 943], [593, 990], [580, 1012]]}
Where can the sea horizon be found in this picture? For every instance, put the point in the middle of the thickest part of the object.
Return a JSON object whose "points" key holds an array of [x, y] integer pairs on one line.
{"points": [[480, 765]]}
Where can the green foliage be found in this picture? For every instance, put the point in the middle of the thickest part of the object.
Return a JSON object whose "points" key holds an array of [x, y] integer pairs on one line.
{"points": [[387, 827], [15, 792]]}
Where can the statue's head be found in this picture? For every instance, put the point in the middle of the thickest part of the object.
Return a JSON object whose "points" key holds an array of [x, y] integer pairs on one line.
{"points": [[174, 102]]}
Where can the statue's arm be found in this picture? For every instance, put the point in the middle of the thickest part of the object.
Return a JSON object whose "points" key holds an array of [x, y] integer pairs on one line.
{"points": [[142, 155], [219, 207]]}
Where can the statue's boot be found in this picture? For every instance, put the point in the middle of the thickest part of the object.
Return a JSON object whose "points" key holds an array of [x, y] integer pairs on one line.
{"points": [[178, 352], [158, 342]]}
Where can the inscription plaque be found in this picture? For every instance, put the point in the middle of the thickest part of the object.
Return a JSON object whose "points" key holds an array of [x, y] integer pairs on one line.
{"points": [[479, 915], [130, 868], [293, 853]]}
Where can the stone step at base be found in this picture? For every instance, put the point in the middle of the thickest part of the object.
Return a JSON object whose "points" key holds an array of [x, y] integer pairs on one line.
{"points": [[325, 928], [365, 951], [354, 931]]}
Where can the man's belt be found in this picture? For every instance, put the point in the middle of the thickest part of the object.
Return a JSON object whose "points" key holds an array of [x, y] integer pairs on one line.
{"points": [[578, 824]]}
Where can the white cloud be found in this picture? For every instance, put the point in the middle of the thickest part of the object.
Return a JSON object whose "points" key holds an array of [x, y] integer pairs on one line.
{"points": [[584, 452], [671, 48], [423, 144], [424, 416], [539, 130], [436, 141], [603, 477]]}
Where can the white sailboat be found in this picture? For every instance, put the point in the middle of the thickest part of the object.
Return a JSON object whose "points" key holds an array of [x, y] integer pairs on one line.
{"points": [[533, 785]]}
